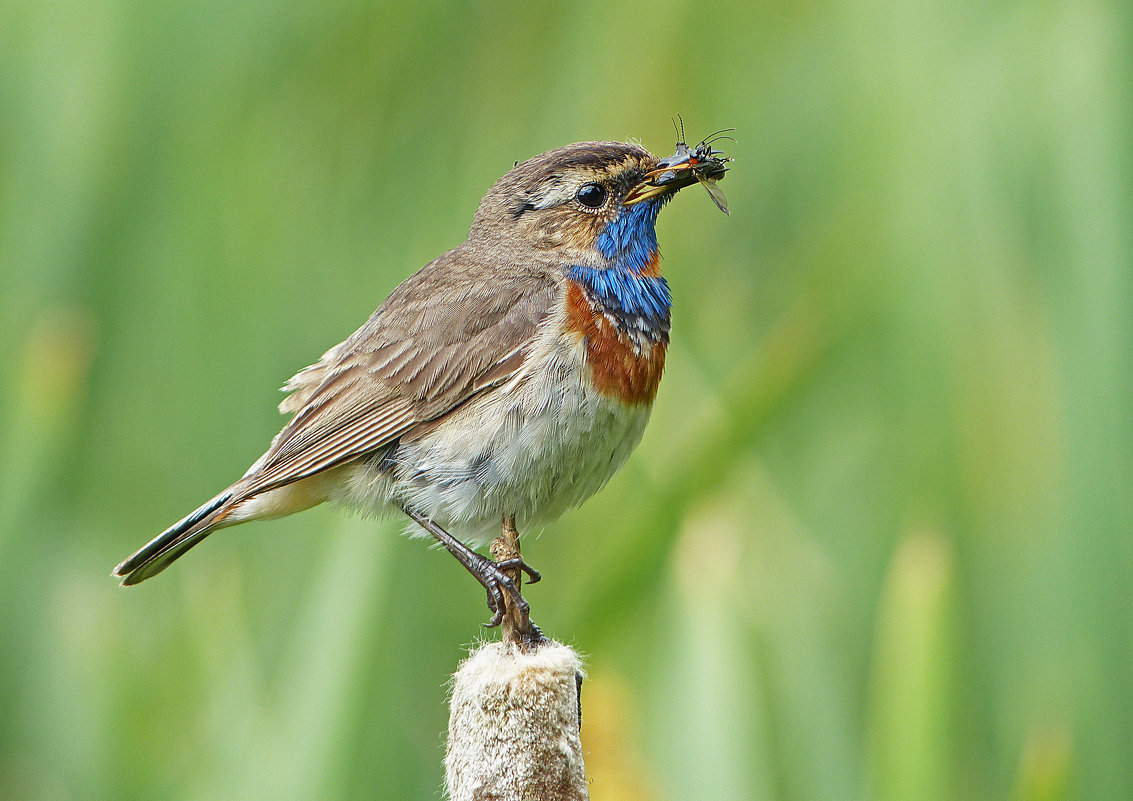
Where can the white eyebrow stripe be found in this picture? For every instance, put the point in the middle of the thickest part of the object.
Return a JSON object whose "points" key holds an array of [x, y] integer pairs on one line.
{"points": [[555, 194]]}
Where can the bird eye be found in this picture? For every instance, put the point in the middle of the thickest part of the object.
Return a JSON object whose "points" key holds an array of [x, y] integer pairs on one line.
{"points": [[591, 195]]}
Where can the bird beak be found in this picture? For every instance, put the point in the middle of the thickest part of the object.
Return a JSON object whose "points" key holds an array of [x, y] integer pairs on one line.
{"points": [[676, 172]]}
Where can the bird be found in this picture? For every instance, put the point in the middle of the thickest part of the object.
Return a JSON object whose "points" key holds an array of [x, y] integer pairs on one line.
{"points": [[503, 383]]}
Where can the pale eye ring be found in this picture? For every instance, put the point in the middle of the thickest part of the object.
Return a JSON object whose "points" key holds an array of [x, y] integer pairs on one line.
{"points": [[592, 196]]}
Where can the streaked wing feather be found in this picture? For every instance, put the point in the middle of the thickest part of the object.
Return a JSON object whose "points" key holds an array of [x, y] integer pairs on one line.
{"points": [[445, 335]]}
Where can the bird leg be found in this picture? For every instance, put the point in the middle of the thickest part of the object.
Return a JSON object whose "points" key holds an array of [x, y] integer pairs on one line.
{"points": [[490, 574], [517, 625]]}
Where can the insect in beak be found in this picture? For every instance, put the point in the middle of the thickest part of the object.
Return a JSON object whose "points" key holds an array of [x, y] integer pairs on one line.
{"points": [[702, 164]]}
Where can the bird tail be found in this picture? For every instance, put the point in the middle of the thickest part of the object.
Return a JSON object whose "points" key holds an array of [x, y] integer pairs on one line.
{"points": [[171, 544]]}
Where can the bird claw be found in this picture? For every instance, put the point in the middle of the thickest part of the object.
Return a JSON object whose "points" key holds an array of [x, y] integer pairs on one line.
{"points": [[496, 581], [533, 575]]}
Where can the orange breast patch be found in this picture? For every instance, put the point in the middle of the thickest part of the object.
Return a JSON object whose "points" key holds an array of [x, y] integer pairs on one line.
{"points": [[619, 367]]}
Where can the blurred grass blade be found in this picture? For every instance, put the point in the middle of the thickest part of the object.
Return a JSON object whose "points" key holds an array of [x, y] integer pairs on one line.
{"points": [[908, 725], [1044, 768]]}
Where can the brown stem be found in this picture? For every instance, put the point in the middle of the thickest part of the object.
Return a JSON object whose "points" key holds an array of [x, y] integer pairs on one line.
{"points": [[517, 626]]}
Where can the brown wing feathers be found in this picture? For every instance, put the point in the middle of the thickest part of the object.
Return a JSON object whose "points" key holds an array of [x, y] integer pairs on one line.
{"points": [[445, 335], [409, 365]]}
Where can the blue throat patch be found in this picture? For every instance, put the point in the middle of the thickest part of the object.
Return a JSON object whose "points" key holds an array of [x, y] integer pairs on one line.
{"points": [[628, 297], [630, 239], [638, 302]]}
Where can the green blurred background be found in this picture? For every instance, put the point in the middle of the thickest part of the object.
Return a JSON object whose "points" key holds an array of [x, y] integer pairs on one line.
{"points": [[875, 543]]}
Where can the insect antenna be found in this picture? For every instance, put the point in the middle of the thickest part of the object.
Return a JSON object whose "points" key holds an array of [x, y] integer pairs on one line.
{"points": [[717, 136], [680, 131]]}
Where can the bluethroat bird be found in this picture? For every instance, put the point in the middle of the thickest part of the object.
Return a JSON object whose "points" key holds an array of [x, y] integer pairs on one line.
{"points": [[500, 385]]}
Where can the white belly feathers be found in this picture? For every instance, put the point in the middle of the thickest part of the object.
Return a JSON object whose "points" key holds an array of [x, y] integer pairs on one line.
{"points": [[534, 448]]}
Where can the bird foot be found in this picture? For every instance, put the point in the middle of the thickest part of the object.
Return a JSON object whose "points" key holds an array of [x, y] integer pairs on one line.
{"points": [[501, 579], [496, 581]]}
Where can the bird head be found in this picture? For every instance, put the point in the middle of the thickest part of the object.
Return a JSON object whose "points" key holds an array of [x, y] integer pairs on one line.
{"points": [[595, 203]]}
